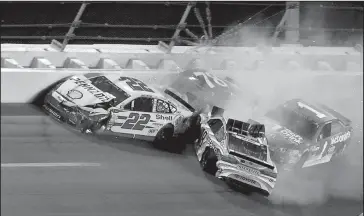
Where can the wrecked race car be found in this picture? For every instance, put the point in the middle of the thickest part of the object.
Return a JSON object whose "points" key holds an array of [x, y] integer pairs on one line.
{"points": [[122, 106]]}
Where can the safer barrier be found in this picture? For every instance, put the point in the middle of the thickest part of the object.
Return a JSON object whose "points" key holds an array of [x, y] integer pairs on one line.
{"points": [[129, 57], [19, 85]]}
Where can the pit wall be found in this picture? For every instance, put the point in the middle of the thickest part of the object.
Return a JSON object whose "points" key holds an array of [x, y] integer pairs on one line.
{"points": [[28, 69]]}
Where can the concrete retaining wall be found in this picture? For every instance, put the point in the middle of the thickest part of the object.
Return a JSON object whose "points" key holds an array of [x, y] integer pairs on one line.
{"points": [[20, 85], [149, 57], [28, 69]]}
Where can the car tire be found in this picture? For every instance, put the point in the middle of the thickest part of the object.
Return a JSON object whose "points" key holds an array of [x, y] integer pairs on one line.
{"points": [[164, 140], [208, 162], [194, 129]]}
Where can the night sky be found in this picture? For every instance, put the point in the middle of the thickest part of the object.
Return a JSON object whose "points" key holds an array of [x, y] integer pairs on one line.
{"points": [[140, 20]]}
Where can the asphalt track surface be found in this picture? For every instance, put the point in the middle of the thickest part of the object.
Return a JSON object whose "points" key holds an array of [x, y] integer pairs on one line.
{"points": [[122, 177]]}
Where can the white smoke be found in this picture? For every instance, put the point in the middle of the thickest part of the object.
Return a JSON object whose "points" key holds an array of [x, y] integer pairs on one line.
{"points": [[343, 179]]}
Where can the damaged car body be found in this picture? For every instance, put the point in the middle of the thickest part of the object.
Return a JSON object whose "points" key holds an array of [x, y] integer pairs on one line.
{"points": [[123, 106], [301, 134], [236, 152]]}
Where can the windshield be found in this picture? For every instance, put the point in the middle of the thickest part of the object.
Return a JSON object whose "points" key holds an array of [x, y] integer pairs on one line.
{"points": [[244, 147], [294, 121], [105, 85]]}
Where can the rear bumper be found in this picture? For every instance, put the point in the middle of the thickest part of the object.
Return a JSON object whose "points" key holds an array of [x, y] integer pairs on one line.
{"points": [[231, 173]]}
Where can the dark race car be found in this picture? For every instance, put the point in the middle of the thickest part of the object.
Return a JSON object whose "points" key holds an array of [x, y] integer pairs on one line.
{"points": [[202, 89], [303, 135]]}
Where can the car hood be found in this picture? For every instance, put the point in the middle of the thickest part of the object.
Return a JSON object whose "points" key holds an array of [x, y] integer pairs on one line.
{"points": [[80, 91], [280, 136]]}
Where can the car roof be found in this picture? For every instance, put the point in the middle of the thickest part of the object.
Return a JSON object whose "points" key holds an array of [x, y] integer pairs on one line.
{"points": [[124, 86], [312, 111]]}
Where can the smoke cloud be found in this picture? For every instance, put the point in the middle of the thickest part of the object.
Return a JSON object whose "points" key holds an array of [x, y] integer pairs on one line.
{"points": [[340, 179]]}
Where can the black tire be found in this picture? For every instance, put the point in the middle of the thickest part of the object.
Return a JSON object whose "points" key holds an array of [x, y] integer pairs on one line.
{"points": [[208, 162], [164, 140], [193, 132]]}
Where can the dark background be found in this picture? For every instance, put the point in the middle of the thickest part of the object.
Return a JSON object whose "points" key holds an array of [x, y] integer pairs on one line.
{"points": [[341, 23]]}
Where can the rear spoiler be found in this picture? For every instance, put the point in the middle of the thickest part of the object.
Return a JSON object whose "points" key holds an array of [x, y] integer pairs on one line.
{"points": [[342, 118], [253, 129]]}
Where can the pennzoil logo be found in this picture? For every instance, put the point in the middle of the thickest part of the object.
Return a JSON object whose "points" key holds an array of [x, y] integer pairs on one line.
{"points": [[74, 94], [92, 89]]}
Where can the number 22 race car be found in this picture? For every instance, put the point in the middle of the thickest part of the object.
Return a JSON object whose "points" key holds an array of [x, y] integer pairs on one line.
{"points": [[236, 152], [123, 106]]}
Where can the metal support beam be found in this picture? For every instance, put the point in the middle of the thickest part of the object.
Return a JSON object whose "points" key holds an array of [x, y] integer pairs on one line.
{"points": [[179, 28], [69, 35], [292, 22]]}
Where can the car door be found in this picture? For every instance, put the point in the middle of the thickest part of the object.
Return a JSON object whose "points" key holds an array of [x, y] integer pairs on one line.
{"points": [[163, 114], [339, 135], [135, 118], [322, 149]]}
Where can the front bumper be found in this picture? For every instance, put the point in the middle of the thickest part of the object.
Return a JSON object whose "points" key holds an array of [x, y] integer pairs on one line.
{"points": [[254, 182], [57, 110]]}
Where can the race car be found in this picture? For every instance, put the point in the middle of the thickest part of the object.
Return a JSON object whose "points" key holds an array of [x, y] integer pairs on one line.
{"points": [[303, 134], [236, 152], [203, 89], [119, 105]]}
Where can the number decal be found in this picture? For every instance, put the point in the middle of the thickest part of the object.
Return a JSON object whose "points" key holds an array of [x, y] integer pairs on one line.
{"points": [[136, 122], [323, 150], [140, 125], [132, 119], [318, 114], [207, 77], [136, 84]]}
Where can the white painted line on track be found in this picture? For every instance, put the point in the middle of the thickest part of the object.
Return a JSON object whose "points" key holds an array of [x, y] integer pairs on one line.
{"points": [[20, 165]]}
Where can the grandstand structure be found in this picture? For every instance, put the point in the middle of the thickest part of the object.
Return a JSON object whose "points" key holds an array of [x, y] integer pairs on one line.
{"points": [[184, 23]]}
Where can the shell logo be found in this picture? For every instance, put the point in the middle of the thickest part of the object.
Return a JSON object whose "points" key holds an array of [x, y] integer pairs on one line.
{"points": [[74, 94]]}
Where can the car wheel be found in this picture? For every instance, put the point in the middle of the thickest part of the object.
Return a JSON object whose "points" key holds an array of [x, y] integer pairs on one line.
{"points": [[164, 140], [208, 162], [194, 129]]}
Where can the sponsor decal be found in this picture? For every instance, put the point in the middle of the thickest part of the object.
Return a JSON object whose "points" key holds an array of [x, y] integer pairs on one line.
{"points": [[157, 124], [165, 118], [151, 131], [90, 88], [249, 170], [340, 138], [288, 134], [314, 148], [74, 94], [242, 178], [331, 149], [248, 162], [52, 112]]}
